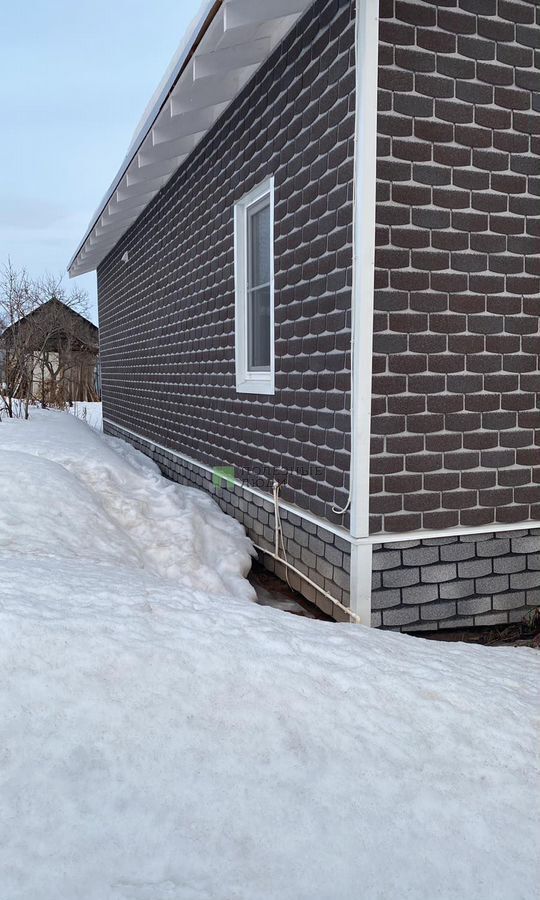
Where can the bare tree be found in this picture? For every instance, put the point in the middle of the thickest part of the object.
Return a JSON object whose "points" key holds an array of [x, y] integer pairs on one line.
{"points": [[37, 350], [17, 300]]}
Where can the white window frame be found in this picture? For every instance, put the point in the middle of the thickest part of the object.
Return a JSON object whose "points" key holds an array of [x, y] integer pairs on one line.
{"points": [[251, 382]]}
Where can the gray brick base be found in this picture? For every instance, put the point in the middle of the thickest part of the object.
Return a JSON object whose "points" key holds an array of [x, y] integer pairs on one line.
{"points": [[417, 585], [321, 555], [456, 582]]}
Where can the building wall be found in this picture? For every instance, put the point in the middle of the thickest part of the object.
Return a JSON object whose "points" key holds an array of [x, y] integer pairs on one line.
{"points": [[450, 582], [417, 585], [167, 315], [456, 385], [456, 325]]}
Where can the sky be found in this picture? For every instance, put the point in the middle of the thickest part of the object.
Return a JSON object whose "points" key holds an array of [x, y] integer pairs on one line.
{"points": [[74, 81]]}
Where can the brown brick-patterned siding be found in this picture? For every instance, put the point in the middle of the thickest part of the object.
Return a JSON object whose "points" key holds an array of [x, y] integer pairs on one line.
{"points": [[456, 377], [167, 315]]}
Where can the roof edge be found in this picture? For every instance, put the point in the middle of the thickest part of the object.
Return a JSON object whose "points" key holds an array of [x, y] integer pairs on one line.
{"points": [[207, 12]]}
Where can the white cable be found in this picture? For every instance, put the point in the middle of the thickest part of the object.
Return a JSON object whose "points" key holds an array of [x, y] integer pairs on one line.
{"points": [[346, 609], [340, 511], [278, 529], [279, 539]]}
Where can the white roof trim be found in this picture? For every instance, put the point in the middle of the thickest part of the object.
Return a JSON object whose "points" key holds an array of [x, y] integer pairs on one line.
{"points": [[226, 43]]}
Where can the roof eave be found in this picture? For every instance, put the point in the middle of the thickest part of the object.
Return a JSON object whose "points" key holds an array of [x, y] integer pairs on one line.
{"points": [[208, 10], [227, 44]]}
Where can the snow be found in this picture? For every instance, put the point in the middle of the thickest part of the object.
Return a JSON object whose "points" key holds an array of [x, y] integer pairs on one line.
{"points": [[164, 738], [91, 413], [120, 510]]}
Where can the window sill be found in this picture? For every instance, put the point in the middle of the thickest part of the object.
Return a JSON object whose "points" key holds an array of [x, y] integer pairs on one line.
{"points": [[256, 386]]}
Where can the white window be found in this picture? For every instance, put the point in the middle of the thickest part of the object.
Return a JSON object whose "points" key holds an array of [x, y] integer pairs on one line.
{"points": [[254, 290]]}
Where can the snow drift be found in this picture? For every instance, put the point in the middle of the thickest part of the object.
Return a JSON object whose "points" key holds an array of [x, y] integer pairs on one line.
{"points": [[165, 739], [72, 493]]}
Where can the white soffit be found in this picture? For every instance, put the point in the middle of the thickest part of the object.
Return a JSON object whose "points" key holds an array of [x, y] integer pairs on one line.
{"points": [[223, 48]]}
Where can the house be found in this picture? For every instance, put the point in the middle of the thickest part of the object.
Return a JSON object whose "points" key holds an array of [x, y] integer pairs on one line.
{"points": [[51, 355], [318, 282]]}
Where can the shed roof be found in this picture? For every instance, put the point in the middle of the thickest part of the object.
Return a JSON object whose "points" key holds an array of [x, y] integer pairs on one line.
{"points": [[221, 50], [87, 332]]}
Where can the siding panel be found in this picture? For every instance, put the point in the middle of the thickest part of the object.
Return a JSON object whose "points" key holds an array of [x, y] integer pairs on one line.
{"points": [[456, 389], [167, 315]]}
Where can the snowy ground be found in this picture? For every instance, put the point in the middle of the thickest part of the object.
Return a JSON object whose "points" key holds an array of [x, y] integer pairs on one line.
{"points": [[91, 413], [164, 738]]}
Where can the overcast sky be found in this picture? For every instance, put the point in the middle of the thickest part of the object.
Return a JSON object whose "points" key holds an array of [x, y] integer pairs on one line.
{"points": [[74, 81]]}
